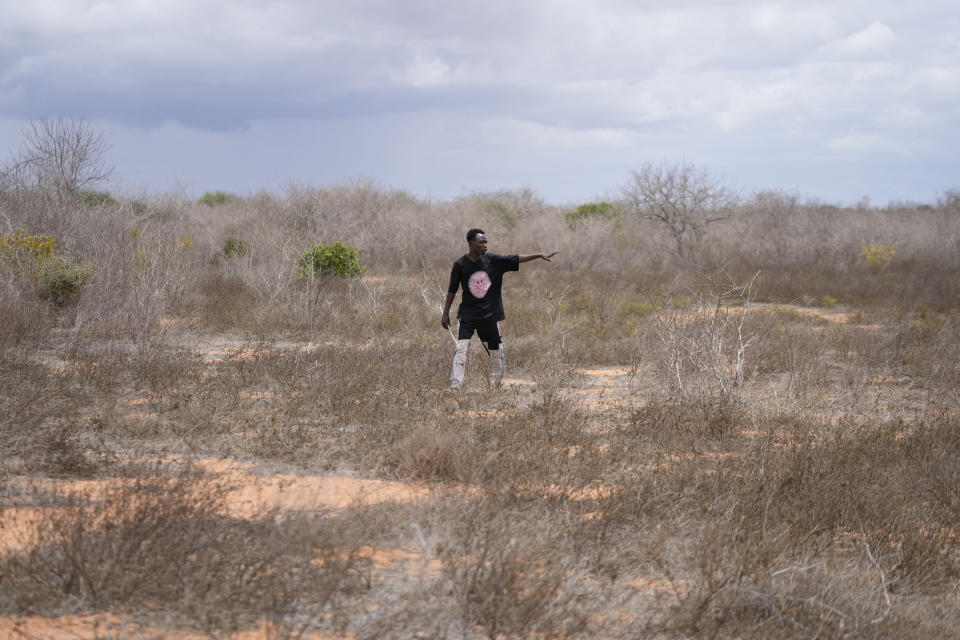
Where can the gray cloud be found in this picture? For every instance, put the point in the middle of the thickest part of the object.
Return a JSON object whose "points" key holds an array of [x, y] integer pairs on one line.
{"points": [[608, 84]]}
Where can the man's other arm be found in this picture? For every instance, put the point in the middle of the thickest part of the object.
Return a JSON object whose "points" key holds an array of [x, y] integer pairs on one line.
{"points": [[445, 318]]}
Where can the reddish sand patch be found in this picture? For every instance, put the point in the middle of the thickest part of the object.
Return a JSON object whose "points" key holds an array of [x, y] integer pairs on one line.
{"points": [[835, 317], [248, 496], [106, 625], [18, 527], [256, 495], [387, 558], [484, 413], [675, 587], [610, 373], [608, 388], [517, 382], [257, 395]]}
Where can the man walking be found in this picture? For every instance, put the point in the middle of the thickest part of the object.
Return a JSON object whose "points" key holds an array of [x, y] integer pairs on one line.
{"points": [[480, 276]]}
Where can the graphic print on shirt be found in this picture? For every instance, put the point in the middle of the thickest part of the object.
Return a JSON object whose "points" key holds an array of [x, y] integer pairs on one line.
{"points": [[479, 284]]}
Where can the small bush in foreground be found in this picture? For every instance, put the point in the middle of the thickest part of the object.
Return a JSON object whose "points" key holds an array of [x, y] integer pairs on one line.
{"points": [[336, 259], [163, 543]]}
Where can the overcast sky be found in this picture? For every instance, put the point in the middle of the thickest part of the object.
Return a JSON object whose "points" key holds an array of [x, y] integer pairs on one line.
{"points": [[833, 100]]}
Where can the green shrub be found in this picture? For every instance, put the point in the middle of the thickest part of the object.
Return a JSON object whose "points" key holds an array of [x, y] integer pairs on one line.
{"points": [[927, 322], [60, 277], [232, 248], [217, 198], [139, 207], [592, 210], [336, 259], [97, 198], [640, 307], [828, 302]]}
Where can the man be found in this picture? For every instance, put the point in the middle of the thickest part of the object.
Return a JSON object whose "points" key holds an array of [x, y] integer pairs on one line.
{"points": [[480, 275]]}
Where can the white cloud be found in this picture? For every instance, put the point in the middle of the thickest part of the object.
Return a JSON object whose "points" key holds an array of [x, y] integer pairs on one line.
{"points": [[875, 40], [867, 143], [515, 133], [425, 71], [631, 79]]}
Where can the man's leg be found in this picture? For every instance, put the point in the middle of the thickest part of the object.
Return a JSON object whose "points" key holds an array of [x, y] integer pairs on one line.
{"points": [[491, 336], [459, 364], [497, 365], [464, 332]]}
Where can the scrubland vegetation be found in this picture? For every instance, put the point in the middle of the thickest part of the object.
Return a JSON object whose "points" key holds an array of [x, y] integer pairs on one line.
{"points": [[776, 452]]}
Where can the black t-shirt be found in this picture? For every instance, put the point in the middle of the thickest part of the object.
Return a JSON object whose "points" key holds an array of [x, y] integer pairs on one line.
{"points": [[481, 282]]}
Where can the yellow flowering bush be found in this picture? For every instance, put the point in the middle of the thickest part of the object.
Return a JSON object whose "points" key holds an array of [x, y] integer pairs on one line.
{"points": [[22, 252], [877, 256], [57, 276]]}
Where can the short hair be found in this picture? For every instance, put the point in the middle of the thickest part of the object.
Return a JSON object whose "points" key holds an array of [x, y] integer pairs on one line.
{"points": [[473, 233]]}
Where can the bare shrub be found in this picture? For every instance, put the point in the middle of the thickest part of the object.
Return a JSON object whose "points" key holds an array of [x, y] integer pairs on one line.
{"points": [[508, 579], [799, 477], [795, 356], [703, 339], [24, 320], [141, 276], [434, 454], [224, 300], [161, 543], [705, 418]]}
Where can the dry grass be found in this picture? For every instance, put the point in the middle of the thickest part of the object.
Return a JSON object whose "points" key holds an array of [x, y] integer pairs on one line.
{"points": [[764, 466]]}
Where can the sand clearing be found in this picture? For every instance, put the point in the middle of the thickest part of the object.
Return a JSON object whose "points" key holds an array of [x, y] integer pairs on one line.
{"points": [[100, 626]]}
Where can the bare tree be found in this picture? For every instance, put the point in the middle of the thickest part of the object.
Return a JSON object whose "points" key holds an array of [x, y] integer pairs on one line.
{"points": [[60, 157], [949, 201], [682, 197]]}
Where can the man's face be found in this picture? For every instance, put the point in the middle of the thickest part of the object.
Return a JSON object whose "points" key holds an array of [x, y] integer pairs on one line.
{"points": [[479, 244]]}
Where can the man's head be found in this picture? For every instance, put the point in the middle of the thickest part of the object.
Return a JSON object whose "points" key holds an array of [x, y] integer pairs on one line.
{"points": [[477, 240]]}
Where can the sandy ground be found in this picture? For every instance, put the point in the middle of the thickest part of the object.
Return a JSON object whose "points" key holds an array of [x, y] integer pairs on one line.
{"points": [[599, 390], [116, 626]]}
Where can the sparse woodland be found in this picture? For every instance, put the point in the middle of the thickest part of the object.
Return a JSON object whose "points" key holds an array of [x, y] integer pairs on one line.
{"points": [[730, 416]]}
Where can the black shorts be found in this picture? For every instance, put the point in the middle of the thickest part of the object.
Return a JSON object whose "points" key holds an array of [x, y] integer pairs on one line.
{"points": [[487, 331]]}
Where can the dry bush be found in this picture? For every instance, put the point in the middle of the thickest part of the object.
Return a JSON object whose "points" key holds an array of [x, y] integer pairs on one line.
{"points": [[25, 321], [745, 509], [434, 454], [161, 543], [703, 336], [794, 355], [798, 532], [506, 576], [225, 300], [927, 345], [808, 249], [703, 419], [24, 407]]}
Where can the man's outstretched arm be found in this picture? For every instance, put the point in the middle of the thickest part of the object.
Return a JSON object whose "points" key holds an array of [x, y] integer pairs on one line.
{"points": [[527, 257]]}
